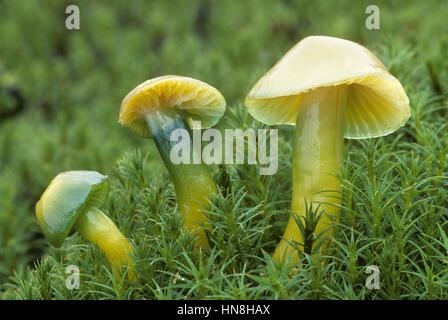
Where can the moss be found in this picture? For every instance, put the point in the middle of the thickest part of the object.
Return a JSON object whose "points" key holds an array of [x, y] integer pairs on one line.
{"points": [[394, 211]]}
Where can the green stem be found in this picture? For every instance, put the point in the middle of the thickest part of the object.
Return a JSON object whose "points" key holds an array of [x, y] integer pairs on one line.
{"points": [[102, 231], [317, 158], [193, 183]]}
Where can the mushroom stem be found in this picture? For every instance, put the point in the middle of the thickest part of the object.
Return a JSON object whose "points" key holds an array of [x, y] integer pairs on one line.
{"points": [[102, 231], [193, 183], [318, 149]]}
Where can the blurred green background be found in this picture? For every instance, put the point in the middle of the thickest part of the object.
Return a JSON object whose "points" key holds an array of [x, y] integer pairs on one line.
{"points": [[72, 81]]}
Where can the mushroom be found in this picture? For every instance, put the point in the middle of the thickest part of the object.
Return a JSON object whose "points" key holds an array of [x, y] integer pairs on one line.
{"points": [[72, 203], [157, 107], [330, 89]]}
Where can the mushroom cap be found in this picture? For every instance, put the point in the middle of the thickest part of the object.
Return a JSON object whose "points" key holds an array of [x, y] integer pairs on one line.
{"points": [[69, 194], [195, 99], [376, 101]]}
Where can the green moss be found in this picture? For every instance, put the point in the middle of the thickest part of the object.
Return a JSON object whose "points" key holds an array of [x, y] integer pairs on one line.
{"points": [[395, 201]]}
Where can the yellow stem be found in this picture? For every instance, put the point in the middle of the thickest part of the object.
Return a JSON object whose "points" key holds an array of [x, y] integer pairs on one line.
{"points": [[192, 198], [193, 182], [317, 157], [102, 231]]}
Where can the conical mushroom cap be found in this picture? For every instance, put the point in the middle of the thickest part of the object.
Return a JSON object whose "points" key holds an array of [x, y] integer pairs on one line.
{"points": [[69, 194], [195, 99], [376, 101]]}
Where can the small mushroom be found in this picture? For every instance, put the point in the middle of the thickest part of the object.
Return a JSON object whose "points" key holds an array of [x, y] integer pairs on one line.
{"points": [[72, 203], [156, 108], [330, 89]]}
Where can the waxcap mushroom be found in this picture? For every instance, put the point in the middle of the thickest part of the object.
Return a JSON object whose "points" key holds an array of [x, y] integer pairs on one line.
{"points": [[69, 194], [72, 203], [376, 102], [330, 89], [158, 107], [196, 99]]}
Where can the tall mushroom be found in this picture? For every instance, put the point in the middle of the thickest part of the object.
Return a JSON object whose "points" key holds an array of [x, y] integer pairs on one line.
{"points": [[157, 107], [72, 203], [329, 88]]}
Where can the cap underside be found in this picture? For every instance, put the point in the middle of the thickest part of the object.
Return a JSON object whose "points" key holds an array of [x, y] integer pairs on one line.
{"points": [[376, 102], [195, 99]]}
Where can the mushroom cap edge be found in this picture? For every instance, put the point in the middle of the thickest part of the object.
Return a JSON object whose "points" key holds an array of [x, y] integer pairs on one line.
{"points": [[68, 195], [377, 103], [198, 100]]}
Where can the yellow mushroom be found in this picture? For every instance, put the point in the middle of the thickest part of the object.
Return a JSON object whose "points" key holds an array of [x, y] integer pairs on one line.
{"points": [[157, 107], [329, 88], [72, 203]]}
